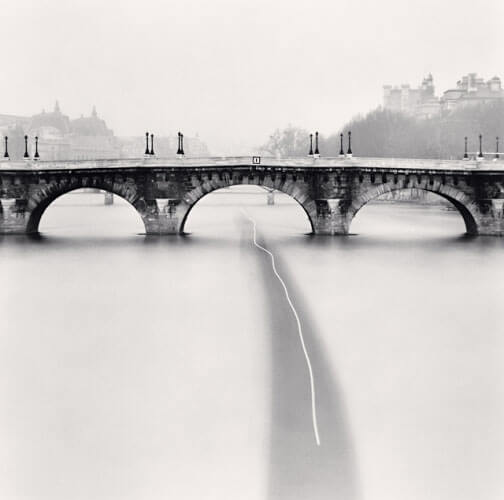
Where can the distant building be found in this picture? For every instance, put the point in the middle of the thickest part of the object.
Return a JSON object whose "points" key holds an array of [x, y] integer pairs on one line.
{"points": [[7, 121], [419, 101], [422, 102], [81, 139], [471, 90], [84, 138]]}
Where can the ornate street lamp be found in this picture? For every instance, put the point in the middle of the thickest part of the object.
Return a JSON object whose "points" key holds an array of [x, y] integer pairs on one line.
{"points": [[311, 145], [480, 155], [341, 152], [349, 152], [466, 156], [317, 153], [152, 144], [26, 155], [6, 153]]}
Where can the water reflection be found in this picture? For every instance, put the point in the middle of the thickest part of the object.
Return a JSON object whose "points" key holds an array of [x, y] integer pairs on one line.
{"points": [[298, 468]]}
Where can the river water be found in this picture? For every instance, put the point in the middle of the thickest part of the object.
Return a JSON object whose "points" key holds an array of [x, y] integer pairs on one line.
{"points": [[134, 367]]}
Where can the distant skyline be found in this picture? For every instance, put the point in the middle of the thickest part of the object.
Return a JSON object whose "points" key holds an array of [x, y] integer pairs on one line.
{"points": [[233, 71]]}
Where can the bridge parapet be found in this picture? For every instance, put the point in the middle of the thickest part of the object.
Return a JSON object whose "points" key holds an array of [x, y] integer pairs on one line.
{"points": [[247, 161]]}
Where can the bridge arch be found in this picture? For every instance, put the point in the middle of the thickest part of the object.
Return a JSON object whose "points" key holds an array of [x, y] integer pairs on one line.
{"points": [[463, 203], [39, 201], [296, 190]]}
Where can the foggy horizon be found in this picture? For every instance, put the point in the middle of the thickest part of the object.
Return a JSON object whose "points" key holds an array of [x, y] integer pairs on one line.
{"points": [[233, 72]]}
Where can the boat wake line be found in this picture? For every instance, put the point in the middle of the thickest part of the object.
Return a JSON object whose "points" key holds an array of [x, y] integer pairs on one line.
{"points": [[298, 322]]}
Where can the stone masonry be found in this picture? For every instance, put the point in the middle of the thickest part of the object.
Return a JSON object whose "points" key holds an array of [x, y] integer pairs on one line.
{"points": [[331, 191]]}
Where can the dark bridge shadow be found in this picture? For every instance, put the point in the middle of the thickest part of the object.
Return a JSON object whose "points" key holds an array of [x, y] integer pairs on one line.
{"points": [[298, 469]]}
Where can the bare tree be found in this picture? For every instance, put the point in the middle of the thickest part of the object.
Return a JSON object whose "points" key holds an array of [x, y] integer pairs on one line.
{"points": [[290, 141]]}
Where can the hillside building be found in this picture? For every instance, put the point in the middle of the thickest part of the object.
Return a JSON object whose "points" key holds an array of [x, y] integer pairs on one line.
{"points": [[419, 101], [422, 102], [471, 90]]}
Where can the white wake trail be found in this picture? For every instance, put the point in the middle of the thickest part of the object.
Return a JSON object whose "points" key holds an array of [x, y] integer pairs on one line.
{"points": [[300, 330]]}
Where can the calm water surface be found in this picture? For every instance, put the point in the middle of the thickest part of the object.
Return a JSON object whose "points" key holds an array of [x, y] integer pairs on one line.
{"points": [[150, 368]]}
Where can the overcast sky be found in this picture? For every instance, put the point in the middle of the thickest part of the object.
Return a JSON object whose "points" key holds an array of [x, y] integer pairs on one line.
{"points": [[233, 71]]}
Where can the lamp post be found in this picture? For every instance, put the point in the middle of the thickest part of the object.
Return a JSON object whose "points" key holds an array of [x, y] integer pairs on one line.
{"points": [[146, 143], [36, 156], [26, 155], [311, 145], [466, 156], [317, 153], [341, 152], [182, 143], [480, 154], [6, 152], [152, 144], [497, 148], [349, 152], [179, 151]]}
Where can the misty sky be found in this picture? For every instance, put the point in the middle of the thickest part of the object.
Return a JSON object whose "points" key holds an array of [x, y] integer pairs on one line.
{"points": [[233, 71]]}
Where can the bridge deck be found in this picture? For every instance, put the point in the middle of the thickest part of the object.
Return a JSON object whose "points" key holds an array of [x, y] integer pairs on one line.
{"points": [[247, 161]]}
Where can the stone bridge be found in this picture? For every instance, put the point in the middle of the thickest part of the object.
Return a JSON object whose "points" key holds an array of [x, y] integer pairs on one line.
{"points": [[330, 190]]}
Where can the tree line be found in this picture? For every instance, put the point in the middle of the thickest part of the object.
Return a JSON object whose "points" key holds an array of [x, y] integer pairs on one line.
{"points": [[386, 133]]}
